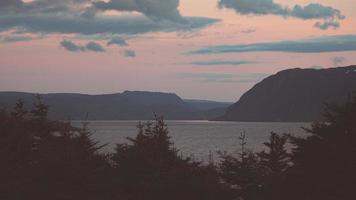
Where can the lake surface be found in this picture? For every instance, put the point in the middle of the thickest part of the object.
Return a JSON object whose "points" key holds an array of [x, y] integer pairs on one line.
{"points": [[196, 138]]}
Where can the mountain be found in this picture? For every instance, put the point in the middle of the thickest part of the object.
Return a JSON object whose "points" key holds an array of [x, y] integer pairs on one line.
{"points": [[129, 105], [207, 105], [209, 109], [294, 95]]}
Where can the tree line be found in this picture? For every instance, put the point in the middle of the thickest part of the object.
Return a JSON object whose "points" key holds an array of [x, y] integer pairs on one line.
{"points": [[46, 159]]}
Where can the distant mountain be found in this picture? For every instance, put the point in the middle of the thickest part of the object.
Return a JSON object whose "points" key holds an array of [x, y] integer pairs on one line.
{"points": [[209, 109], [294, 95], [129, 105], [207, 105]]}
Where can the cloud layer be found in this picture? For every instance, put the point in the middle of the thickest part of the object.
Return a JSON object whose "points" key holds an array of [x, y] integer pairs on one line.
{"points": [[91, 46], [223, 77], [221, 62], [14, 38], [117, 41], [154, 9], [313, 45], [330, 16], [88, 17]]}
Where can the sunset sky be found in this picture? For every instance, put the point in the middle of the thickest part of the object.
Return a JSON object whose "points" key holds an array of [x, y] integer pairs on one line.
{"points": [[199, 49]]}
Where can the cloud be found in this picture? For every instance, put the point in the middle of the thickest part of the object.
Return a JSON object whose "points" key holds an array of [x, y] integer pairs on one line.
{"points": [[10, 3], [129, 53], [254, 7], [71, 46], [330, 16], [117, 41], [46, 23], [207, 77], [248, 31], [221, 62], [327, 24], [223, 78], [339, 60], [316, 11], [15, 38], [154, 9], [87, 18], [190, 34], [91, 46], [54, 7], [312, 45]]}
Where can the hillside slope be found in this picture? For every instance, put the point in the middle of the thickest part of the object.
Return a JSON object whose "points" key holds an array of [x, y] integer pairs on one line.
{"points": [[294, 95]]}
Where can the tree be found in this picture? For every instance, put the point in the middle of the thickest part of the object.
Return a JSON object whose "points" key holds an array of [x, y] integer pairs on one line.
{"points": [[150, 168], [242, 173], [19, 111], [45, 159], [40, 110], [325, 162], [274, 162], [276, 159]]}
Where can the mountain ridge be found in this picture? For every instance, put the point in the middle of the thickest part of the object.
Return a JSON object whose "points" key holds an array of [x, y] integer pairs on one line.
{"points": [[128, 105], [294, 95]]}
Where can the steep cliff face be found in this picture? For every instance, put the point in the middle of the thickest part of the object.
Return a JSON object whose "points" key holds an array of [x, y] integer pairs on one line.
{"points": [[294, 95]]}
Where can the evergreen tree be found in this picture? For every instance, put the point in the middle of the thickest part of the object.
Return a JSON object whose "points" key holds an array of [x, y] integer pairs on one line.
{"points": [[45, 159], [151, 169], [40, 110], [19, 111], [276, 159], [325, 162], [274, 162], [242, 173]]}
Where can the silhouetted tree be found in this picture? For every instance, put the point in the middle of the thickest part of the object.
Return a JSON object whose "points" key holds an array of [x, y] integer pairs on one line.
{"points": [[274, 162], [150, 168], [19, 111], [40, 110], [325, 162], [242, 173], [275, 159], [44, 159]]}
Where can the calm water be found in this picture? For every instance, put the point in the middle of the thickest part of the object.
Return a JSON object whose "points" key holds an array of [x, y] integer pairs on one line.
{"points": [[197, 138]]}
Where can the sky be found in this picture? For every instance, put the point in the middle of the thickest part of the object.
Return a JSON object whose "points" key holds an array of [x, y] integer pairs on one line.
{"points": [[198, 49]]}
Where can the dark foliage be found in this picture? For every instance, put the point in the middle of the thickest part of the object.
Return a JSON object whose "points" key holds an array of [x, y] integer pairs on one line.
{"points": [[256, 175], [150, 168], [325, 162], [320, 166], [276, 159], [43, 159], [274, 163], [242, 172]]}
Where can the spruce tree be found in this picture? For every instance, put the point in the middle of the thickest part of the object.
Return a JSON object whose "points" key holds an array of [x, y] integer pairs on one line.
{"points": [[325, 162]]}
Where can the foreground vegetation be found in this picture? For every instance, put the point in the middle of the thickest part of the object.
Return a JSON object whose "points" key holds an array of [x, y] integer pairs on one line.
{"points": [[45, 159]]}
